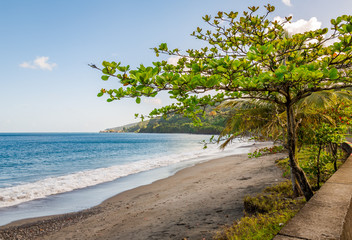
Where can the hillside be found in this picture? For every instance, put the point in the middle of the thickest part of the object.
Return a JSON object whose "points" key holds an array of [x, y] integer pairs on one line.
{"points": [[212, 123], [124, 128]]}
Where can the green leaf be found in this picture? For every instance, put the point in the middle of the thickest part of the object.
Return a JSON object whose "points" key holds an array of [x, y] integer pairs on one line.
{"points": [[139, 87], [105, 77], [195, 67], [280, 75], [206, 18], [211, 82], [106, 64], [163, 47], [100, 94], [349, 28], [155, 71], [138, 100], [333, 74], [221, 69], [283, 68]]}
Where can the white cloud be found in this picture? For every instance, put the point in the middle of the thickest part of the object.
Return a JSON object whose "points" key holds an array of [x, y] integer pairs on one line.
{"points": [[331, 42], [39, 63], [173, 60], [287, 2], [301, 25], [153, 101], [27, 65]]}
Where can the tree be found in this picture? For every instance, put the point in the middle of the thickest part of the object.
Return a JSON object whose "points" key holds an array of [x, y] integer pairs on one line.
{"points": [[322, 136], [327, 121], [265, 120], [255, 118], [248, 57]]}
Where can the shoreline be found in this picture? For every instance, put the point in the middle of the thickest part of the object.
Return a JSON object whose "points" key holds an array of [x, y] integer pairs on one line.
{"points": [[193, 203], [18, 190]]}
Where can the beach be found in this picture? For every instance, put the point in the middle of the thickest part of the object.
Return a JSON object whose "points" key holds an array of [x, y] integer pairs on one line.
{"points": [[192, 204]]}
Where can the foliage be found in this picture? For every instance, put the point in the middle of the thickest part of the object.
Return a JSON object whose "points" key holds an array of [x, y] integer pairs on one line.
{"points": [[261, 227], [273, 199], [266, 214], [254, 118], [327, 125], [325, 136], [307, 161], [267, 150], [125, 128], [179, 124], [249, 57], [267, 121], [263, 204], [284, 189], [212, 123], [285, 166]]}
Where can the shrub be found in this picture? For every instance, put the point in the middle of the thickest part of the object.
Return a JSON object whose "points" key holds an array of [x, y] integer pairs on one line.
{"points": [[265, 214]]}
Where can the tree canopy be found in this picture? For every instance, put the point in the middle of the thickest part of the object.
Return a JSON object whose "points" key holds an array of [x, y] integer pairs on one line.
{"points": [[246, 57]]}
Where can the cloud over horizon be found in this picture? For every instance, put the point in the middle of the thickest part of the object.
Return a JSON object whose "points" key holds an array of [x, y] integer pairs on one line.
{"points": [[39, 63]]}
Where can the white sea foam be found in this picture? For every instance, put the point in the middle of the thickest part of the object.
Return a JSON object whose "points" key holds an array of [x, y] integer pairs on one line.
{"points": [[54, 185]]}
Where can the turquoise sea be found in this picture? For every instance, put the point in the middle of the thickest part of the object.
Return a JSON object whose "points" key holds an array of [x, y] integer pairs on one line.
{"points": [[52, 173]]}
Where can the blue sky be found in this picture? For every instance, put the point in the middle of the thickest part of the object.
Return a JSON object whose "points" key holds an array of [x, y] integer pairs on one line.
{"points": [[46, 46]]}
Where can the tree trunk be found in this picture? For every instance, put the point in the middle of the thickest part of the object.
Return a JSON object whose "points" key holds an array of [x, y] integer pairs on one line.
{"points": [[333, 147], [318, 167], [295, 186], [297, 172]]}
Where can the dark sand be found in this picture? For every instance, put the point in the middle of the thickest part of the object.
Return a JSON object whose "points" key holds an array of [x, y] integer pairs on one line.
{"points": [[192, 204]]}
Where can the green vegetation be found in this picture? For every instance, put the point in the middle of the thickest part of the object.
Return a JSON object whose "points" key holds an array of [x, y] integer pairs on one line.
{"points": [[125, 128], [212, 123], [265, 214], [267, 150], [321, 119], [246, 57], [307, 160], [259, 119], [264, 120], [180, 124]]}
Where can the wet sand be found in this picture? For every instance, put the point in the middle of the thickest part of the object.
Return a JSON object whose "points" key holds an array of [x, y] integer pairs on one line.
{"points": [[193, 204]]}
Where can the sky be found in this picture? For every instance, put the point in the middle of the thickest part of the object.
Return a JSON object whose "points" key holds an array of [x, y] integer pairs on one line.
{"points": [[46, 84]]}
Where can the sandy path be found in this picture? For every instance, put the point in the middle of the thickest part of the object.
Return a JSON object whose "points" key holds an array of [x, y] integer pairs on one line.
{"points": [[192, 204]]}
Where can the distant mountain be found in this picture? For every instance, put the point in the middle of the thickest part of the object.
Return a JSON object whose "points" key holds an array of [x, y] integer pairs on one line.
{"points": [[212, 123], [123, 128]]}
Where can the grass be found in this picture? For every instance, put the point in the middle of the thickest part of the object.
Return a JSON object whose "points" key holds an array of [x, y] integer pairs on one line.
{"points": [[262, 226], [265, 214]]}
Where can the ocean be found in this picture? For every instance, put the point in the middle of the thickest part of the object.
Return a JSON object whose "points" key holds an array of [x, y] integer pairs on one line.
{"points": [[53, 173]]}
